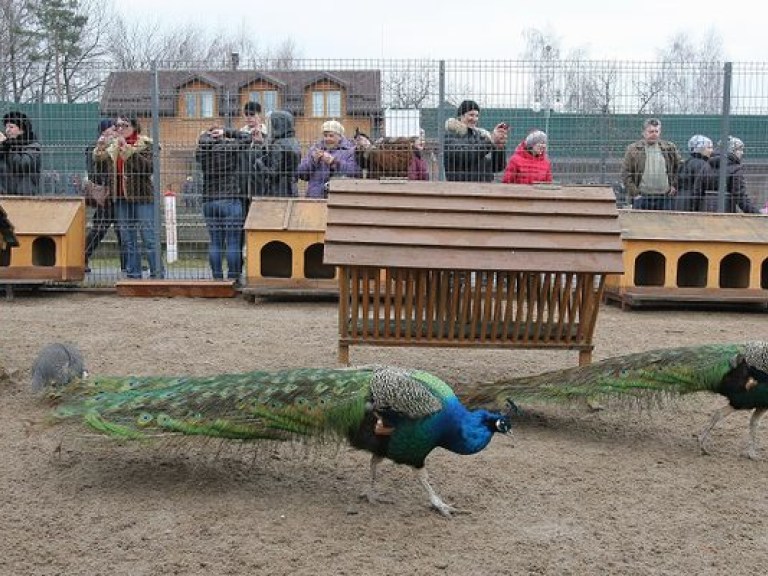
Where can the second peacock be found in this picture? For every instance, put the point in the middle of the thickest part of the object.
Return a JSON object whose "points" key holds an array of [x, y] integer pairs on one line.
{"points": [[737, 371]]}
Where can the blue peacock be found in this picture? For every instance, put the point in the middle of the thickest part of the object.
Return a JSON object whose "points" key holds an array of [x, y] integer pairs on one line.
{"points": [[737, 371], [393, 413]]}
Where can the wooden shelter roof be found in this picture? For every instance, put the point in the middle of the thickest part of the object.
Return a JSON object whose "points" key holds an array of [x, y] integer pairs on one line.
{"points": [[451, 225], [287, 214], [35, 215], [693, 226]]}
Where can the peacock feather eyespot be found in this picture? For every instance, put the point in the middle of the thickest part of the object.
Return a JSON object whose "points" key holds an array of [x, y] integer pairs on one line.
{"points": [[144, 419]]}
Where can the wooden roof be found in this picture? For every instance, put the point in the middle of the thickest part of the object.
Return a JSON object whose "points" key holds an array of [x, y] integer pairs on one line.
{"points": [[128, 91], [693, 226], [41, 216], [451, 225], [287, 214]]}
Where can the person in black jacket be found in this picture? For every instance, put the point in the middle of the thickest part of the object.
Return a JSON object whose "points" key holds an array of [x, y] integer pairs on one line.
{"points": [[219, 152], [696, 175], [470, 153], [20, 156], [280, 157], [736, 183]]}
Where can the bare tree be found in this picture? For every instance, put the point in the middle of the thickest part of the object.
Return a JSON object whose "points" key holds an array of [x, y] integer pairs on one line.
{"points": [[690, 75], [134, 45], [411, 86], [20, 67], [543, 50]]}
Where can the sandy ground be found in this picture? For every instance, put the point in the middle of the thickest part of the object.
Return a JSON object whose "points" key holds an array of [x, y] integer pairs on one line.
{"points": [[573, 492]]}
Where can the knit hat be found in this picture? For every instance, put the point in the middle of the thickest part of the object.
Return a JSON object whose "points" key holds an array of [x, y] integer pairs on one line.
{"points": [[699, 142], [19, 119], [734, 144], [333, 126], [535, 137], [105, 123], [465, 107]]}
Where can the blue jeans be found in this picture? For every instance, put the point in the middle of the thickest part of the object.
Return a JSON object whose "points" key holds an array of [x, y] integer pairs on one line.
{"points": [[654, 202], [224, 219], [134, 219]]}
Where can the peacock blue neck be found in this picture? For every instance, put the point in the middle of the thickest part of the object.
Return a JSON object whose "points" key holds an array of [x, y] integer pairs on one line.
{"points": [[465, 431]]}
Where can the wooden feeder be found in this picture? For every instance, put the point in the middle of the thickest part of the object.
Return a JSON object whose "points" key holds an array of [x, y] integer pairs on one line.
{"points": [[51, 237], [284, 246], [691, 257], [470, 265]]}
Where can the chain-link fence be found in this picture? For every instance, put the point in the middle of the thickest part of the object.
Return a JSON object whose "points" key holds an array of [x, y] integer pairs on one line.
{"points": [[199, 140]]}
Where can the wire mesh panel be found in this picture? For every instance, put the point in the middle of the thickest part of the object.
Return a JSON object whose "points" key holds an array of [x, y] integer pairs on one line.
{"points": [[268, 123]]}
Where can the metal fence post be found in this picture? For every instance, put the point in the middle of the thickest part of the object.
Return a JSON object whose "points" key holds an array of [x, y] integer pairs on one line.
{"points": [[441, 121], [156, 182], [722, 185]]}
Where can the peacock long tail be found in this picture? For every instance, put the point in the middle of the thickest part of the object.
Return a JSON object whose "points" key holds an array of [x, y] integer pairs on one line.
{"points": [[642, 375], [277, 405]]}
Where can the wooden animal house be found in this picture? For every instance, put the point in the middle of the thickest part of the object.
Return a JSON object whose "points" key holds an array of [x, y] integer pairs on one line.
{"points": [[470, 265], [284, 248], [51, 240], [691, 258]]}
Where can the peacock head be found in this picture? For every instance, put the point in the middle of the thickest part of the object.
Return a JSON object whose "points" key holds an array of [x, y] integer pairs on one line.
{"points": [[503, 423]]}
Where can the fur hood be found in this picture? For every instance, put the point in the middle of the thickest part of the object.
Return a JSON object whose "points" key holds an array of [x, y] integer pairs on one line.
{"points": [[457, 127]]}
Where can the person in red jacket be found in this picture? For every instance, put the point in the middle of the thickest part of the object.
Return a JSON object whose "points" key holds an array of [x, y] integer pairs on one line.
{"points": [[529, 163]]}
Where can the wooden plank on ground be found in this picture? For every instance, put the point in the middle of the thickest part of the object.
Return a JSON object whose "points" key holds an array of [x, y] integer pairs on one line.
{"points": [[174, 288]]}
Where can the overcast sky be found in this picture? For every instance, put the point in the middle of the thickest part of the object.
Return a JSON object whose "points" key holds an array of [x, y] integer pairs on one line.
{"points": [[484, 29]]}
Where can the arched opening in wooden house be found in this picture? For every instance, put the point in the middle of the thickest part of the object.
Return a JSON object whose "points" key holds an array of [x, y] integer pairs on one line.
{"points": [[43, 251], [649, 269], [764, 275], [692, 270], [276, 260], [313, 263], [734, 271]]}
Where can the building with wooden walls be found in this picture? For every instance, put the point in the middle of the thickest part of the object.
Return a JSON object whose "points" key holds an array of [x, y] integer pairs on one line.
{"points": [[191, 101]]}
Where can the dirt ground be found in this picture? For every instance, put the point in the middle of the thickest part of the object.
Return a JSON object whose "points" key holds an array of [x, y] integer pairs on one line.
{"points": [[573, 492]]}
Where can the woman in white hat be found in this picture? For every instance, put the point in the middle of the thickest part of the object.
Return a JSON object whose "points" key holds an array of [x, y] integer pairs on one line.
{"points": [[331, 156]]}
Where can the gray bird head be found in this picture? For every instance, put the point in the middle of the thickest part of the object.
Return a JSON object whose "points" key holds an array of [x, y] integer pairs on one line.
{"points": [[57, 365]]}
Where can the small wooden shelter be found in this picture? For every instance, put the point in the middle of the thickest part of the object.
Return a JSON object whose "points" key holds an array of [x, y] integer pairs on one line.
{"points": [[470, 265], [284, 246], [691, 257], [51, 238]]}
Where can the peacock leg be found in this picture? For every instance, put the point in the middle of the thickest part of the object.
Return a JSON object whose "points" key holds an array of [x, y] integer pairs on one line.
{"points": [[371, 494], [435, 500], [706, 432], [754, 421]]}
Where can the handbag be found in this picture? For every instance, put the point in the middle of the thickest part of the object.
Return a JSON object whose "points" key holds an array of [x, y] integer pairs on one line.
{"points": [[95, 194]]}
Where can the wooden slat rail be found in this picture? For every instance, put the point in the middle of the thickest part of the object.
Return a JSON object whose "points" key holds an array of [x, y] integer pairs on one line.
{"points": [[461, 308]]}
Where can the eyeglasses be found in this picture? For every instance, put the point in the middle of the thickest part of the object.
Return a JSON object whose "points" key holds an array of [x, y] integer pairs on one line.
{"points": [[119, 125]]}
